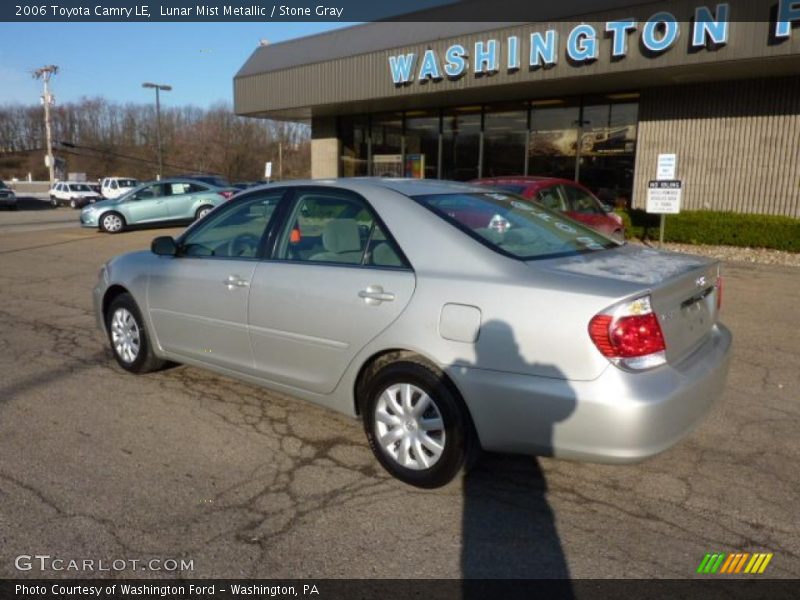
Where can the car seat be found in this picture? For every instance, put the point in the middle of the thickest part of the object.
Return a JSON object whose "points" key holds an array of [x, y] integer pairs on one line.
{"points": [[341, 241]]}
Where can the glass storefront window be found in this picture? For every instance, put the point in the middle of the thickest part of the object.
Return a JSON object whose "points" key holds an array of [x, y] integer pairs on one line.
{"points": [[504, 141], [461, 135], [354, 136], [422, 144], [595, 142], [608, 151], [387, 145], [554, 139]]}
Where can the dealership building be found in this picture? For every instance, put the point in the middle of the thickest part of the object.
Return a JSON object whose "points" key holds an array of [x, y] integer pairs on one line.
{"points": [[600, 97]]}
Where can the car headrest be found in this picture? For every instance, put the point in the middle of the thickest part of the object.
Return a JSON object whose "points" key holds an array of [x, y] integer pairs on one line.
{"points": [[341, 235]]}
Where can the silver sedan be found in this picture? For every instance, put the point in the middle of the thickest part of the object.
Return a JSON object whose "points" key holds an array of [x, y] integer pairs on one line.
{"points": [[447, 317]]}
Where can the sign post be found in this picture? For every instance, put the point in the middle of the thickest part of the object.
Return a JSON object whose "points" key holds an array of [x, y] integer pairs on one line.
{"points": [[663, 198]]}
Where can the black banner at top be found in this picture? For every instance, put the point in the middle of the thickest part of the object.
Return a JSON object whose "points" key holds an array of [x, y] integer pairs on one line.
{"points": [[500, 11]]}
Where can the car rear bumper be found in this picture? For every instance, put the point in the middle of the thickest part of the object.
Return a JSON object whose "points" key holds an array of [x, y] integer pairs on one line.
{"points": [[618, 417]]}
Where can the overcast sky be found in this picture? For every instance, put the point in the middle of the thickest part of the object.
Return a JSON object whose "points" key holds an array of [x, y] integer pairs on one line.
{"points": [[112, 60]]}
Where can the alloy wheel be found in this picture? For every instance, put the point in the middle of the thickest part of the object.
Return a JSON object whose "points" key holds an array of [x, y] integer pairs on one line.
{"points": [[112, 223], [125, 335]]}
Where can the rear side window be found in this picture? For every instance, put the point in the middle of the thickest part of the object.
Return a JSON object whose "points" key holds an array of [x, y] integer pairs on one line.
{"points": [[336, 227], [513, 226]]}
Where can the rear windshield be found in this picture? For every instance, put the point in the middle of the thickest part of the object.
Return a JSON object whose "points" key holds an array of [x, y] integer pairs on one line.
{"points": [[127, 182], [514, 188], [514, 226]]}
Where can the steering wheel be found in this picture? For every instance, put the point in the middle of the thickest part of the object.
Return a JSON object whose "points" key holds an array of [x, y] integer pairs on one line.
{"points": [[244, 244]]}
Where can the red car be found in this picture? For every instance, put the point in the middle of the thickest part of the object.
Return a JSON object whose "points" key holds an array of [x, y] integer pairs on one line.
{"points": [[565, 196]]}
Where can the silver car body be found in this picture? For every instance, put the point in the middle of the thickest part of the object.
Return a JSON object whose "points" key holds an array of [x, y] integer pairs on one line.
{"points": [[510, 334]]}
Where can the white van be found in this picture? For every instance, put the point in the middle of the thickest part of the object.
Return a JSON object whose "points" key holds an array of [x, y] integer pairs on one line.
{"points": [[112, 187]]}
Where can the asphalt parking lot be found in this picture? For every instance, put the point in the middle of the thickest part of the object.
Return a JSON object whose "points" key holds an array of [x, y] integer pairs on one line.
{"points": [[184, 464]]}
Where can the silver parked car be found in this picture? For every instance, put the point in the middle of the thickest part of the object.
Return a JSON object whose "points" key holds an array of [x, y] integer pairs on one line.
{"points": [[446, 316], [167, 201]]}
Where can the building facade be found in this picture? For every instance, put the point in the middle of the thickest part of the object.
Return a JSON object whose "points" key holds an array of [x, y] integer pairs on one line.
{"points": [[592, 96]]}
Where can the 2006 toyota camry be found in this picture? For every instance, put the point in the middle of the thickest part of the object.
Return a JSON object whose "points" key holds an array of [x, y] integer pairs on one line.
{"points": [[447, 317]]}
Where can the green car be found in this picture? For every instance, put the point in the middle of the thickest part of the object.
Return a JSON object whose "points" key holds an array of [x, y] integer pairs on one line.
{"points": [[168, 201]]}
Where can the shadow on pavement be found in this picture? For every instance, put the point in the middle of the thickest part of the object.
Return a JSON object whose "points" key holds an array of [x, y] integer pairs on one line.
{"points": [[508, 527], [31, 203]]}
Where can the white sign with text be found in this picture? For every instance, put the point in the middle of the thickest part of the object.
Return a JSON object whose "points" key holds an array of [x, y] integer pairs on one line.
{"points": [[664, 197]]}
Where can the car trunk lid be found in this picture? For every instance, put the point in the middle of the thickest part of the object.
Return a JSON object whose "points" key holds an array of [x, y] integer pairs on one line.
{"points": [[682, 287]]}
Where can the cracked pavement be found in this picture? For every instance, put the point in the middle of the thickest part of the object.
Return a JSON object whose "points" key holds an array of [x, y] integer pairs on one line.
{"points": [[185, 464]]}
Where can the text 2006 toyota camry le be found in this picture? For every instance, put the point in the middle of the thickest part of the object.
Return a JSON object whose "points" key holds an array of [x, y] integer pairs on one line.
{"points": [[448, 317]]}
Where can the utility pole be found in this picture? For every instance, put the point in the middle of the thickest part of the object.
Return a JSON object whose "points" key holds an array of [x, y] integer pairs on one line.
{"points": [[280, 161], [44, 74], [158, 87]]}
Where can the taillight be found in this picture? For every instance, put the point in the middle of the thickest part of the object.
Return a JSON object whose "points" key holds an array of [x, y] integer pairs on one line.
{"points": [[226, 194], [629, 335]]}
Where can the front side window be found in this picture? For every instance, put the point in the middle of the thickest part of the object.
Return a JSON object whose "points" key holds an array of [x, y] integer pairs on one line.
{"points": [[331, 226], [552, 198], [513, 226], [151, 191], [581, 202], [234, 232]]}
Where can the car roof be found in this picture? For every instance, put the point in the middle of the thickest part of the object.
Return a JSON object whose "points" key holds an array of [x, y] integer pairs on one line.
{"points": [[407, 187]]}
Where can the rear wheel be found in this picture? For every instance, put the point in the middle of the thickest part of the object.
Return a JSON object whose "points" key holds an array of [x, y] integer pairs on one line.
{"points": [[73, 203], [416, 424], [112, 222], [128, 336], [202, 212]]}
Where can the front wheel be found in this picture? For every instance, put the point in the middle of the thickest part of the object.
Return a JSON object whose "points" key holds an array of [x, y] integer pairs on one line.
{"points": [[53, 202], [416, 424], [73, 203], [202, 212], [128, 336], [112, 223]]}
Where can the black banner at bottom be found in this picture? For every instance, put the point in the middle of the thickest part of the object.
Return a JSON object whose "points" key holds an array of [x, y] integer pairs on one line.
{"points": [[394, 589]]}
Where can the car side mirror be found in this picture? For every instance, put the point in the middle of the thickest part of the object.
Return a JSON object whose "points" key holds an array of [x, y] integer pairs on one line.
{"points": [[164, 246]]}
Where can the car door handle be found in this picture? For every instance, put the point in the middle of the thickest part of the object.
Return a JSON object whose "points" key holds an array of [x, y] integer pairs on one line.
{"points": [[234, 281], [374, 294]]}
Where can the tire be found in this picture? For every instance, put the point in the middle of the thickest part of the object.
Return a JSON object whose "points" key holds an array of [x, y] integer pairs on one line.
{"points": [[429, 449], [128, 337], [618, 236], [73, 204], [53, 201], [202, 211], [112, 222]]}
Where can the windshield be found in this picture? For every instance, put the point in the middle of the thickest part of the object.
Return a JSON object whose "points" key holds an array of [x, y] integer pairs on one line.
{"points": [[514, 226]]}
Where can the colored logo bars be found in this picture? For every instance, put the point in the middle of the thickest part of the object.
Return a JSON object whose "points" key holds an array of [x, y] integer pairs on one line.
{"points": [[738, 562]]}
